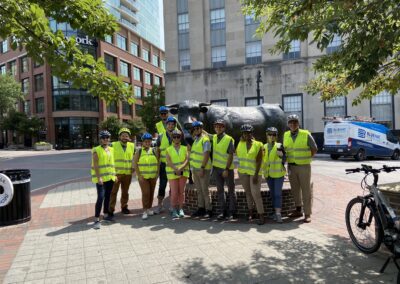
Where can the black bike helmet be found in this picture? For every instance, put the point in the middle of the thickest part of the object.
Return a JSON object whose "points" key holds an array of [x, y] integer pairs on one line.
{"points": [[104, 134], [272, 130], [219, 121], [246, 128]]}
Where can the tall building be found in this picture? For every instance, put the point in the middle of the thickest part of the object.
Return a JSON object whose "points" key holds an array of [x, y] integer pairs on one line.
{"points": [[71, 116], [214, 56]]}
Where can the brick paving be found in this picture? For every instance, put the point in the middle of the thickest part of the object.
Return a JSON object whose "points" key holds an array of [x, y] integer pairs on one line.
{"points": [[60, 246]]}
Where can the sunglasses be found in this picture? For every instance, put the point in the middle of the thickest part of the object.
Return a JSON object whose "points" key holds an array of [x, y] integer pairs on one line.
{"points": [[271, 134], [196, 128], [163, 113], [106, 137], [176, 137]]}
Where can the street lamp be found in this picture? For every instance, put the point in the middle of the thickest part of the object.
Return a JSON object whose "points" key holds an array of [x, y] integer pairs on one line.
{"points": [[258, 87]]}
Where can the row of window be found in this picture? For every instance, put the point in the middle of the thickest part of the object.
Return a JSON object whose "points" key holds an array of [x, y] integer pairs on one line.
{"points": [[126, 108], [12, 66], [39, 106], [38, 84]]}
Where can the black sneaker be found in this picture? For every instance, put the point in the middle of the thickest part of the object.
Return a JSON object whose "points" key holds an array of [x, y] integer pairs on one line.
{"points": [[125, 210], [196, 213], [109, 217], [229, 217], [221, 216], [208, 214]]}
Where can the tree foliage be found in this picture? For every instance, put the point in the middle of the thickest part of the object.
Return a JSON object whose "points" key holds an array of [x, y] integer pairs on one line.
{"points": [[151, 103], [136, 126], [369, 56], [26, 23], [113, 125], [22, 124], [10, 93]]}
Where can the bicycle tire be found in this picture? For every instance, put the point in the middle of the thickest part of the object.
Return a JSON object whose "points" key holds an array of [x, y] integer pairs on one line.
{"points": [[352, 225]]}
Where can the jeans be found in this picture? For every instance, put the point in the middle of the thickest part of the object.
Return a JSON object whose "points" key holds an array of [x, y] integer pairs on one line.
{"points": [[275, 186], [163, 181], [103, 196]]}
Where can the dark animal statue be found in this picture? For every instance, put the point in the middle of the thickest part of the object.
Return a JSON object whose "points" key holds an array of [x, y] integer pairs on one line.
{"points": [[260, 117]]}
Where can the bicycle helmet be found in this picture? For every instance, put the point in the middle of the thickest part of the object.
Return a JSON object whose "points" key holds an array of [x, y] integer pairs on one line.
{"points": [[171, 119], [197, 124], [272, 129], [122, 130], [163, 109], [147, 136], [293, 117], [219, 121], [176, 132], [104, 134], [246, 128]]}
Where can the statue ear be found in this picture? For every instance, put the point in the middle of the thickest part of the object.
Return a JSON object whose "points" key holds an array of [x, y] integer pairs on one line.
{"points": [[173, 110], [203, 109]]}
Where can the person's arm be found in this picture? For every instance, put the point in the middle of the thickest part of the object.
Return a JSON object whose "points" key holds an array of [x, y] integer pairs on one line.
{"points": [[135, 164], [206, 153], [169, 162], [313, 146], [231, 151], [258, 161], [96, 167], [185, 163], [158, 149]]}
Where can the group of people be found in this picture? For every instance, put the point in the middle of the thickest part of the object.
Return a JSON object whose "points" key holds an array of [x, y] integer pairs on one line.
{"points": [[171, 161]]}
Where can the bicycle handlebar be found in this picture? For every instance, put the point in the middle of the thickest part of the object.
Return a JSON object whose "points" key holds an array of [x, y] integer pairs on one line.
{"points": [[368, 169]]}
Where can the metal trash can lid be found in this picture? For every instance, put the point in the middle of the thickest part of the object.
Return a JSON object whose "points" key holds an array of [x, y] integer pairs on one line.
{"points": [[17, 176]]}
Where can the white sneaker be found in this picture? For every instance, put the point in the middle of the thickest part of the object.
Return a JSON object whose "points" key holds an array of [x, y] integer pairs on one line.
{"points": [[150, 212], [278, 218], [158, 210], [144, 216], [96, 225]]}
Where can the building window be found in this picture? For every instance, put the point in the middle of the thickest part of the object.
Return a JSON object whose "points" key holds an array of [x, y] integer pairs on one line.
{"points": [[253, 101], [163, 65], [136, 73], [12, 65], [182, 6], [156, 80], [253, 52], [219, 102], [110, 62], [334, 45], [27, 107], [126, 108], [294, 51], [134, 48], [24, 64], [36, 64], [184, 60], [38, 82], [336, 107], [112, 107], [183, 23], [121, 42], [124, 68], [145, 55], [39, 105], [138, 108], [183, 36], [108, 38], [4, 46], [218, 56], [147, 78], [25, 86], [293, 104], [3, 69], [217, 19], [382, 108], [155, 60], [138, 92]]}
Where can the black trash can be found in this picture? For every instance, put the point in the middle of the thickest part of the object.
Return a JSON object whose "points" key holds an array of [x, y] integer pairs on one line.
{"points": [[19, 209]]}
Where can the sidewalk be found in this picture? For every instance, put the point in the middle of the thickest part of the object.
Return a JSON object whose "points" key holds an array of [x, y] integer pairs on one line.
{"points": [[7, 154], [60, 246]]}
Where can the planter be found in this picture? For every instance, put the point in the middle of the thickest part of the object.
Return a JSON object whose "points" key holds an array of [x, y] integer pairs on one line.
{"points": [[47, 147]]}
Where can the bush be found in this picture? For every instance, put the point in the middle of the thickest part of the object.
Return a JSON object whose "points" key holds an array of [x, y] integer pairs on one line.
{"points": [[42, 143]]}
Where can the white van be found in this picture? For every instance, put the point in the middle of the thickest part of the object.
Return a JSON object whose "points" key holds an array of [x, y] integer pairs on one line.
{"points": [[360, 140]]}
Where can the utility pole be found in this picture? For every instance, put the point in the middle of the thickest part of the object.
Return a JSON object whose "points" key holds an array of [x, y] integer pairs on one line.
{"points": [[258, 87]]}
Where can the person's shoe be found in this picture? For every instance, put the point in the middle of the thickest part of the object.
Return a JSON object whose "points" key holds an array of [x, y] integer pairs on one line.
{"points": [[296, 214], [250, 216], [150, 212], [307, 219], [208, 214], [229, 217], [109, 218], [261, 220], [158, 210], [175, 214], [220, 216], [181, 213], [111, 214], [96, 225], [144, 216], [196, 213], [273, 216], [125, 210], [278, 218]]}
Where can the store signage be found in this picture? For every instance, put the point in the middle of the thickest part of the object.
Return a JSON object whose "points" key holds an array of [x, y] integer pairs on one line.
{"points": [[85, 40], [6, 190]]}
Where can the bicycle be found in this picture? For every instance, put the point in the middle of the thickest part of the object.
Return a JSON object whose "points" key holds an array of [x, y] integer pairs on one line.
{"points": [[372, 216]]}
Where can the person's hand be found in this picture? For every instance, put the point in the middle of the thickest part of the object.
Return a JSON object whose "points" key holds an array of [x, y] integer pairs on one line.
{"points": [[100, 181], [116, 179], [177, 173], [201, 173], [255, 179], [141, 178], [279, 153], [225, 174]]}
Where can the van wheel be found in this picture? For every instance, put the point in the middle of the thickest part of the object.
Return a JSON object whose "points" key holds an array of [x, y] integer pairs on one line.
{"points": [[396, 155], [360, 156], [335, 156]]}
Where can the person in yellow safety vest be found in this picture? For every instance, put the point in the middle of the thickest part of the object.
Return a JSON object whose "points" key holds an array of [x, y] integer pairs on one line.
{"points": [[200, 164], [164, 140], [123, 159], [300, 148], [103, 175], [177, 157], [249, 153], [162, 124], [147, 168], [274, 170], [222, 168]]}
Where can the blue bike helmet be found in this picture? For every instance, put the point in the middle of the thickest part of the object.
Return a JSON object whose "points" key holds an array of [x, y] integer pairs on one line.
{"points": [[163, 109], [171, 119], [197, 124], [147, 136]]}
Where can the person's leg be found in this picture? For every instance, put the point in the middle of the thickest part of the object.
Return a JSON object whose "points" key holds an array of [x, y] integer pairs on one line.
{"points": [[294, 180], [271, 186], [125, 183], [220, 181], [174, 184], [231, 193], [245, 181], [200, 198], [306, 189], [114, 193], [205, 182], [144, 186], [278, 184], [162, 185], [100, 199], [181, 200], [152, 182], [256, 194], [108, 186]]}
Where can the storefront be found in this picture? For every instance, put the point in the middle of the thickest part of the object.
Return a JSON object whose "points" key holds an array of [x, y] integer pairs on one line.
{"points": [[76, 132]]}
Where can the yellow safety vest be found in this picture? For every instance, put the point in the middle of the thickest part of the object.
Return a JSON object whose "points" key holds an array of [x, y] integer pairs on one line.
{"points": [[160, 127], [272, 163], [148, 163], [177, 160], [297, 152], [163, 147], [196, 154], [106, 164], [123, 159], [220, 155], [247, 159]]}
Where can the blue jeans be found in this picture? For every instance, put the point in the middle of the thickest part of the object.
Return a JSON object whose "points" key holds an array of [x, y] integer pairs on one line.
{"points": [[275, 186], [163, 181], [103, 196]]}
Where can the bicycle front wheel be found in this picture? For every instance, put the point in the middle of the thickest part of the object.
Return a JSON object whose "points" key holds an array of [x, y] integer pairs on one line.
{"points": [[365, 229]]}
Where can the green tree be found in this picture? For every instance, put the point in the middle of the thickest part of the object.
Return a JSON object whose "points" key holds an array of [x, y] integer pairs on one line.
{"points": [[10, 93], [369, 57], [20, 123], [26, 24], [151, 103], [136, 126], [113, 125]]}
